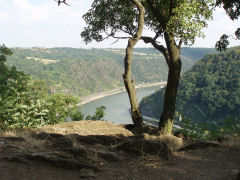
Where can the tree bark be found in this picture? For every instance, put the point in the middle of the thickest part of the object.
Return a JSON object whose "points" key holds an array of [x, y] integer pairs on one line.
{"points": [[174, 65], [172, 57], [128, 81]]}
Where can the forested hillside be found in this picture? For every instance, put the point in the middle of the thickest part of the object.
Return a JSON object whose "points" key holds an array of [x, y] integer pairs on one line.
{"points": [[85, 71], [209, 91]]}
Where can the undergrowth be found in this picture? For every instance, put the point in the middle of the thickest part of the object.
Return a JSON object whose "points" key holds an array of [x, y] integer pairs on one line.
{"points": [[207, 131]]}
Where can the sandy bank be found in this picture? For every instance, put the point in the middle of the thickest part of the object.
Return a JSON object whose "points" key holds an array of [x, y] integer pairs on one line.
{"points": [[96, 96]]}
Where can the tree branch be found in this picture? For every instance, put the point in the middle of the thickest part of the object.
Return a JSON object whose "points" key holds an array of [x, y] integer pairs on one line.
{"points": [[180, 44], [161, 48], [60, 2]]}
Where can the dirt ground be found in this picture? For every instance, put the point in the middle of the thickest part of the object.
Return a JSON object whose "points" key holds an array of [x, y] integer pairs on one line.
{"points": [[102, 150]]}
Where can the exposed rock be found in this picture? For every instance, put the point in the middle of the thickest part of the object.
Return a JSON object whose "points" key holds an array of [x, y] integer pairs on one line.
{"points": [[109, 156], [140, 146], [15, 159], [14, 139], [76, 152], [54, 140], [54, 160], [96, 139]]}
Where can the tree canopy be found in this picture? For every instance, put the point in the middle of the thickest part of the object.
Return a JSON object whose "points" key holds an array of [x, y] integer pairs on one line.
{"points": [[232, 8], [176, 21], [185, 20]]}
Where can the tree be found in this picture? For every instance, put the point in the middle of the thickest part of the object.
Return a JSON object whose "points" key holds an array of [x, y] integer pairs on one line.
{"points": [[137, 13], [232, 8], [128, 81], [175, 21], [4, 51]]}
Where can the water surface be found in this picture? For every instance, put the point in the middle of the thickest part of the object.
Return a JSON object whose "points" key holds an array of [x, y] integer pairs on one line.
{"points": [[117, 105]]}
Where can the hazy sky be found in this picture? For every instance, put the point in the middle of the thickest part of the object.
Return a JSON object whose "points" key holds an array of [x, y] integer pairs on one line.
{"points": [[41, 23]]}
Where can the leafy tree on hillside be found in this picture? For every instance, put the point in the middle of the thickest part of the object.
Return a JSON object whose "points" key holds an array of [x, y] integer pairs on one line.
{"points": [[176, 21]]}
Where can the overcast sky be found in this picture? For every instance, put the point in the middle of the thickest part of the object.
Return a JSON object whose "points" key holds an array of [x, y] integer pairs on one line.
{"points": [[41, 23]]}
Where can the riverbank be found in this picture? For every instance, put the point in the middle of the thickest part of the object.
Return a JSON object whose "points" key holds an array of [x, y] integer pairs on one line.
{"points": [[96, 96]]}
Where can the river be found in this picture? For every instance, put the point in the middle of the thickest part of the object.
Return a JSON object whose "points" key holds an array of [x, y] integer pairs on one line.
{"points": [[117, 105]]}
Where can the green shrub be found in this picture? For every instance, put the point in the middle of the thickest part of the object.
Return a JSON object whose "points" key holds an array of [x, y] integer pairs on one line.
{"points": [[77, 116], [98, 115]]}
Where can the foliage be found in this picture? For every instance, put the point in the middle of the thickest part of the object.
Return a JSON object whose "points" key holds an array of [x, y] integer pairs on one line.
{"points": [[98, 115], [60, 107], [208, 93], [230, 128], [77, 116], [189, 19], [20, 105], [211, 88], [222, 44], [185, 20], [26, 103], [232, 8]]}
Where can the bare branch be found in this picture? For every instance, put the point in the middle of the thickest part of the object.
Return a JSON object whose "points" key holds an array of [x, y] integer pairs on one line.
{"points": [[161, 48], [60, 2], [115, 41], [180, 44], [158, 34]]}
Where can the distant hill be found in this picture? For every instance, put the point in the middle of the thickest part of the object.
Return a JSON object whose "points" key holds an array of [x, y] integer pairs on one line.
{"points": [[209, 91], [196, 53], [86, 71]]}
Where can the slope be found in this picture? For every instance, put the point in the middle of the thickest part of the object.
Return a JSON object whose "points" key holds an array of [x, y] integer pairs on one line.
{"points": [[86, 71], [208, 92]]}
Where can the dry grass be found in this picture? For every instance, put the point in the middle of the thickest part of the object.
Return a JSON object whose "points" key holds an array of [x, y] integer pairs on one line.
{"points": [[152, 161], [26, 134], [86, 128], [83, 128]]}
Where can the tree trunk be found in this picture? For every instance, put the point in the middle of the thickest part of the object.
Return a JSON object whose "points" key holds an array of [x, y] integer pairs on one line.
{"points": [[130, 87], [174, 64], [128, 81]]}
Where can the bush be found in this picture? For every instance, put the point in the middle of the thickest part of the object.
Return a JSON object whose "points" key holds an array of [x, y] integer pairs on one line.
{"points": [[98, 115], [77, 116]]}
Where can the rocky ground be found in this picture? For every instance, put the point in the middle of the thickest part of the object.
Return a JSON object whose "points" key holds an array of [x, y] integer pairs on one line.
{"points": [[102, 150]]}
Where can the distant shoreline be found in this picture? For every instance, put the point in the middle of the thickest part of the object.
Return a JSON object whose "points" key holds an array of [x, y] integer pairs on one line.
{"points": [[96, 96]]}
